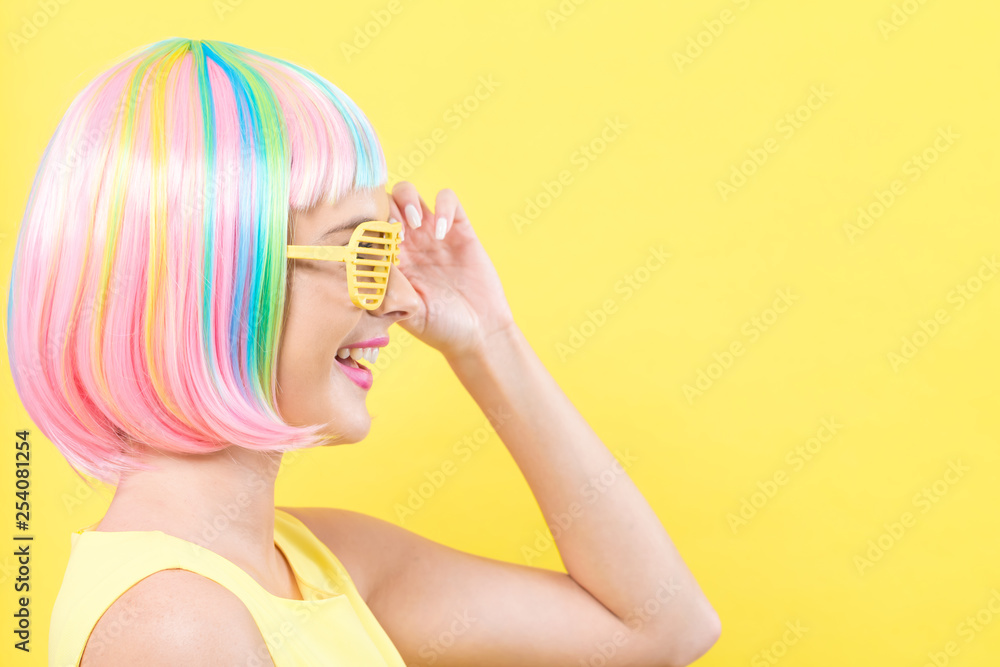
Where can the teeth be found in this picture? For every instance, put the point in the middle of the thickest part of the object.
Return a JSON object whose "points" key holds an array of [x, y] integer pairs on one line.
{"points": [[369, 354]]}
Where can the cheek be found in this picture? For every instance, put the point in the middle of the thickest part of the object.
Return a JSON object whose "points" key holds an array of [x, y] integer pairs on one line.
{"points": [[319, 317]]}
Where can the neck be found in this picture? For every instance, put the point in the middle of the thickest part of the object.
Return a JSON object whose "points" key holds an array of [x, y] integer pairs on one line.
{"points": [[223, 501]]}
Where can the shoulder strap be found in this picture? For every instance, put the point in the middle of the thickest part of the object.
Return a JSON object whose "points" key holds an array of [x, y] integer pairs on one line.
{"points": [[309, 556], [104, 565]]}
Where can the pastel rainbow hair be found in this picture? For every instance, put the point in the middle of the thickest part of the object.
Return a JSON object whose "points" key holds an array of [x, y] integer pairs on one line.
{"points": [[148, 290]]}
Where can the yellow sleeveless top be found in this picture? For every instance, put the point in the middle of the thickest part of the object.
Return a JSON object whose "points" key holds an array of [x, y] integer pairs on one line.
{"points": [[331, 626]]}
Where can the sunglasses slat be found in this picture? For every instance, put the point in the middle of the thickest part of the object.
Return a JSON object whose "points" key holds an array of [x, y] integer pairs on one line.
{"points": [[376, 260]]}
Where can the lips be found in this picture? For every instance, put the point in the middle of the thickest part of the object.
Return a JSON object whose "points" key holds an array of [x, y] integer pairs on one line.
{"points": [[347, 359], [356, 373]]}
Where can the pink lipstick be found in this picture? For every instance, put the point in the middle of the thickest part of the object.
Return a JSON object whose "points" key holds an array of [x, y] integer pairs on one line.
{"points": [[358, 375]]}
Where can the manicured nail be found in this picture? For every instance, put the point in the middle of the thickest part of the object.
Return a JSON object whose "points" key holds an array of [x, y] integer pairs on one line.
{"points": [[412, 215], [442, 225]]}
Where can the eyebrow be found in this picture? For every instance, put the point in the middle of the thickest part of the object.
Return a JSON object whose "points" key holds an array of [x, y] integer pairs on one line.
{"points": [[350, 224]]}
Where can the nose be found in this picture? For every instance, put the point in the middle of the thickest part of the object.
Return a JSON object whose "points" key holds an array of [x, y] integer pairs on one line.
{"points": [[400, 300]]}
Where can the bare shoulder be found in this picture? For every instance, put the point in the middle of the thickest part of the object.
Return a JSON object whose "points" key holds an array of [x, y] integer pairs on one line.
{"points": [[362, 543], [176, 617]]}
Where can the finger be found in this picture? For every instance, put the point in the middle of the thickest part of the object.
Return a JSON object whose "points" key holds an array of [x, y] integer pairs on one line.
{"points": [[445, 207], [408, 201], [394, 216], [460, 215]]}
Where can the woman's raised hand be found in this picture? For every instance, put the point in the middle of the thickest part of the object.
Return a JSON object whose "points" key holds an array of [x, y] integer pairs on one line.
{"points": [[462, 300]]}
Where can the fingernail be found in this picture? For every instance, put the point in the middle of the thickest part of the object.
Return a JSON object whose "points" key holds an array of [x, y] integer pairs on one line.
{"points": [[412, 215], [442, 225]]}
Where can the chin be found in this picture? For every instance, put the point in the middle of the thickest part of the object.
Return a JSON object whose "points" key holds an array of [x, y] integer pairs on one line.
{"points": [[349, 430]]}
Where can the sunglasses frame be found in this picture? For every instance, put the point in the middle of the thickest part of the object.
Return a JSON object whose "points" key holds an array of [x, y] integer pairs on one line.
{"points": [[388, 234]]}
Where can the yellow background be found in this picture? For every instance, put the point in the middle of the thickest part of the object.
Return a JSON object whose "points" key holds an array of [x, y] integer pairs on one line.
{"points": [[686, 127]]}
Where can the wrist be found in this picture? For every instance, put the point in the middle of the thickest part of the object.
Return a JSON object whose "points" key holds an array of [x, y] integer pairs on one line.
{"points": [[497, 344]]}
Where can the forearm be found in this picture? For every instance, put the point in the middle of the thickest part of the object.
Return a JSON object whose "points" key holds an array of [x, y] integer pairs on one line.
{"points": [[611, 541]]}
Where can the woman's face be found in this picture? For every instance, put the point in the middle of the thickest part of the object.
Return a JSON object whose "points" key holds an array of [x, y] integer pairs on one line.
{"points": [[313, 386]]}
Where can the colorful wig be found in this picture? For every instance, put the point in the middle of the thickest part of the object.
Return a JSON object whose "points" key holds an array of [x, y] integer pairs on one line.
{"points": [[148, 289]]}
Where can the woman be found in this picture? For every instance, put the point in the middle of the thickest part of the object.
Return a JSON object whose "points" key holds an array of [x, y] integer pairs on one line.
{"points": [[207, 246]]}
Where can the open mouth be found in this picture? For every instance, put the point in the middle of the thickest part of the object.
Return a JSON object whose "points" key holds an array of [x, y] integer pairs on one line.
{"points": [[352, 356], [349, 361], [358, 364]]}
